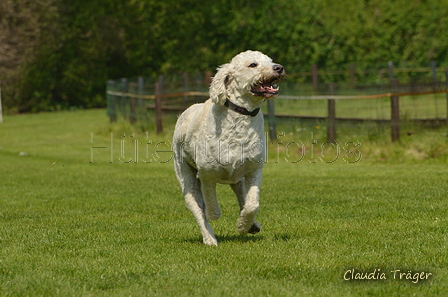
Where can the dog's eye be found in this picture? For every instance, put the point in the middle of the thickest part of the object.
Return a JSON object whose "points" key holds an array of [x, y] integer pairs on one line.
{"points": [[253, 65]]}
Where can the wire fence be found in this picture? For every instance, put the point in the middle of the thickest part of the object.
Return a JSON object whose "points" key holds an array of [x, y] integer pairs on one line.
{"points": [[384, 95]]}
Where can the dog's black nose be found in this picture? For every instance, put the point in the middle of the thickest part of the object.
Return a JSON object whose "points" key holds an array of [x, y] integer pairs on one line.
{"points": [[278, 68]]}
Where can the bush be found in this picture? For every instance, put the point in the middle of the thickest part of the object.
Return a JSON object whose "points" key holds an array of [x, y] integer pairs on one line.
{"points": [[73, 47]]}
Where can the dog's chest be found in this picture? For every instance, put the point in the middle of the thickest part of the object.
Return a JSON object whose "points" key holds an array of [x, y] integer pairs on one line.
{"points": [[230, 148]]}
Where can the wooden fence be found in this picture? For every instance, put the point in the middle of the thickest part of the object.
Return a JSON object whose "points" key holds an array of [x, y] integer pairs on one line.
{"points": [[1, 110], [129, 97]]}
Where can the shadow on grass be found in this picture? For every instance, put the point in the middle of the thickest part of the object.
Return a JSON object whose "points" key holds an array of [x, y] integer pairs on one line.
{"points": [[242, 239], [229, 238]]}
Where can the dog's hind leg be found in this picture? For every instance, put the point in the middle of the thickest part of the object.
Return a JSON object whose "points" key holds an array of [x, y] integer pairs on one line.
{"points": [[191, 189]]}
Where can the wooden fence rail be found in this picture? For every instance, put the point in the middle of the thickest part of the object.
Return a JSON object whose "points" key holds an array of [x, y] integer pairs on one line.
{"points": [[166, 99]]}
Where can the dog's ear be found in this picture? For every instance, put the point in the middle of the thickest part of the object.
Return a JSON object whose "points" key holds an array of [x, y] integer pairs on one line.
{"points": [[220, 82]]}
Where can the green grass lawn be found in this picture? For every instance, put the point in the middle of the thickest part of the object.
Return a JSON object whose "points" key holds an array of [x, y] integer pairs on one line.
{"points": [[69, 227]]}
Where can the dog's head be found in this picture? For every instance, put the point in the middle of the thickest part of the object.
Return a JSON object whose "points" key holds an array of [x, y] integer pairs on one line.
{"points": [[248, 73]]}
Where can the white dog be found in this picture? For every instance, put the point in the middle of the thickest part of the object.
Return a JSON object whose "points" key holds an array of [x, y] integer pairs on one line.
{"points": [[222, 141]]}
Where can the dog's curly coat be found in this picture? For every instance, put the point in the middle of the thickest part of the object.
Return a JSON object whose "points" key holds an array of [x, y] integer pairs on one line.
{"points": [[222, 141]]}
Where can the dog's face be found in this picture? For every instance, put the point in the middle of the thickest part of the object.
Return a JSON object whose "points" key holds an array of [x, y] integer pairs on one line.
{"points": [[248, 73], [257, 74]]}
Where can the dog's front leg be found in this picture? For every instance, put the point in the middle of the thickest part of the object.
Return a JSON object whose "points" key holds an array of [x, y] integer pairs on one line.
{"points": [[212, 210], [196, 206], [194, 200], [240, 190], [246, 222]]}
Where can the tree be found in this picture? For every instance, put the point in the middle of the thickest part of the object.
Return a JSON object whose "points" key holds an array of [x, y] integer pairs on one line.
{"points": [[58, 53]]}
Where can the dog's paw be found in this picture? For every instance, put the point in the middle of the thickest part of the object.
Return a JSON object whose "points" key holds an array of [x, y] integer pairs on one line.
{"points": [[210, 241], [243, 229], [255, 228]]}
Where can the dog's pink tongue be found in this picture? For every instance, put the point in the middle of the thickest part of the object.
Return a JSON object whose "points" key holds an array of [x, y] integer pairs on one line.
{"points": [[269, 89], [265, 90]]}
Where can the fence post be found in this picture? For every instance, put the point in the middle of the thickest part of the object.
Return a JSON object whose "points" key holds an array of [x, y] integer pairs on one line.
{"points": [[141, 90], [352, 75], [123, 103], [315, 77], [433, 67], [159, 92], [271, 118], [111, 104], [185, 88], [199, 83], [446, 82], [331, 121], [390, 67], [208, 79], [395, 112], [1, 110], [132, 111]]}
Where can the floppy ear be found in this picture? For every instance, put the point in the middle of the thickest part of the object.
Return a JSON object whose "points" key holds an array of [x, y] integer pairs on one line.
{"points": [[218, 87]]}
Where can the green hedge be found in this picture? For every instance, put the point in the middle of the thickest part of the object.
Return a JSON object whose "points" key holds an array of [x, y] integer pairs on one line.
{"points": [[84, 43]]}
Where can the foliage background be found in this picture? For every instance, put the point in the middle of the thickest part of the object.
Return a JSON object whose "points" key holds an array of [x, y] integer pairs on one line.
{"points": [[57, 54]]}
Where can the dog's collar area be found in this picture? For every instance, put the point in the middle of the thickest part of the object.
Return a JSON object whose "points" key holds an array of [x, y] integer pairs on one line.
{"points": [[230, 105]]}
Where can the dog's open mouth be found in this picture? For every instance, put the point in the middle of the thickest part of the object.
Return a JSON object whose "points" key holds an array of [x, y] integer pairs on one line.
{"points": [[266, 89]]}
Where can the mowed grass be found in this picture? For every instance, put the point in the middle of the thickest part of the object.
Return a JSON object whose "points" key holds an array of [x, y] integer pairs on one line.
{"points": [[73, 228]]}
